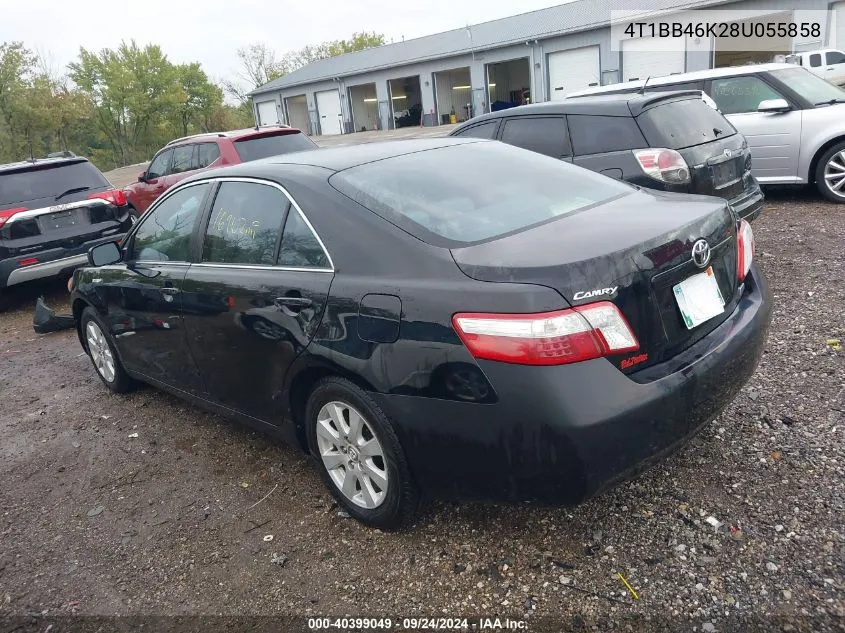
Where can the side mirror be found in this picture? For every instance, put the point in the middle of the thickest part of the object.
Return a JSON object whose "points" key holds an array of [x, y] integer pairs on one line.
{"points": [[774, 105], [104, 254], [142, 177]]}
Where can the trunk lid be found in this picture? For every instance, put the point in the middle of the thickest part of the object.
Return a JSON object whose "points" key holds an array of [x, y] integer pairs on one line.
{"points": [[631, 251]]}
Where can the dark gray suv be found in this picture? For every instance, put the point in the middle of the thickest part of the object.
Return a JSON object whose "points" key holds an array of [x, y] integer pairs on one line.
{"points": [[670, 141]]}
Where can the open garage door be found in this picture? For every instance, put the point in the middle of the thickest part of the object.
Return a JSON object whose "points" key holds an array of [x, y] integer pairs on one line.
{"points": [[838, 30], [728, 51], [641, 59], [328, 109], [405, 101], [454, 95], [573, 70], [297, 109], [509, 84], [267, 114], [364, 107]]}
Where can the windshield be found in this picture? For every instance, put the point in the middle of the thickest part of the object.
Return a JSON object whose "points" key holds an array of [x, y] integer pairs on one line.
{"points": [[812, 88], [478, 191], [48, 181], [265, 146], [681, 124]]}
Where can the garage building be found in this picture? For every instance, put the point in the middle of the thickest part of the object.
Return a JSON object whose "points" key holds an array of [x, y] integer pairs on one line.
{"points": [[538, 56]]}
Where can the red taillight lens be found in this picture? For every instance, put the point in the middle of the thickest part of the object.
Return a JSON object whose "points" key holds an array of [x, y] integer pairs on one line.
{"points": [[547, 338], [5, 214], [744, 250], [665, 165], [115, 196], [29, 261]]}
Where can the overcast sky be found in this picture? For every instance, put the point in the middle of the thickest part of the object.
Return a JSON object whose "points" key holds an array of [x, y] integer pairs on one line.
{"points": [[210, 31]]}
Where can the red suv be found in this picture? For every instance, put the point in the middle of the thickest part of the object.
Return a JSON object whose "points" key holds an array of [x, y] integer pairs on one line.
{"points": [[186, 156]]}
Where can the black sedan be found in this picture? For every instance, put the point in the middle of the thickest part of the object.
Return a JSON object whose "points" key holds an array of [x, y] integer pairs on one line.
{"points": [[457, 317]]}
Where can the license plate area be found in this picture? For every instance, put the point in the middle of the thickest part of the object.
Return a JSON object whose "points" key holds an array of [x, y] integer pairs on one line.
{"points": [[62, 220], [725, 174], [698, 298]]}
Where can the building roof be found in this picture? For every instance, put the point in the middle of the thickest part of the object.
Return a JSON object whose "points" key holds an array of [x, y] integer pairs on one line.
{"points": [[580, 15]]}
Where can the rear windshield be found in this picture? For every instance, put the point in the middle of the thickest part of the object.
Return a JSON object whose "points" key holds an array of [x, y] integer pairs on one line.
{"points": [[266, 146], [48, 182], [685, 123], [469, 193]]}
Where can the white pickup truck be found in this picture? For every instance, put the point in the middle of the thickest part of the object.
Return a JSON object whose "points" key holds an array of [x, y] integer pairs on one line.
{"points": [[827, 63]]}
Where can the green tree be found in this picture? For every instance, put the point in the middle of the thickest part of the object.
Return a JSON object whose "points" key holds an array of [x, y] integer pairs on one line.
{"points": [[198, 98]]}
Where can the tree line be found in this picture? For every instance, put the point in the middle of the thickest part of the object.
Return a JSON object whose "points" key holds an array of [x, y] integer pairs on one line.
{"points": [[118, 106]]}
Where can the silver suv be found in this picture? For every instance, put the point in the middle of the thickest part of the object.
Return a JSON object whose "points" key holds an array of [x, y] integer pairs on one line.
{"points": [[794, 121]]}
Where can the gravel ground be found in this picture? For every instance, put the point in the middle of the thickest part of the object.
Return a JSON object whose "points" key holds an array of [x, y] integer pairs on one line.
{"points": [[140, 504]]}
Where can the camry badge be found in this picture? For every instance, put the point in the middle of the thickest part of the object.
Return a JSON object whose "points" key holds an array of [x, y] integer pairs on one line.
{"points": [[701, 253]]}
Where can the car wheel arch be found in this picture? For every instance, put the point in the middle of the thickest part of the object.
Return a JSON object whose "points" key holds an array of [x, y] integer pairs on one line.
{"points": [[302, 383], [78, 306], [817, 155]]}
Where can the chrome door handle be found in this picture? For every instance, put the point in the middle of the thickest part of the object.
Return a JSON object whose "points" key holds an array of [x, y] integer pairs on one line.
{"points": [[292, 302], [170, 291]]}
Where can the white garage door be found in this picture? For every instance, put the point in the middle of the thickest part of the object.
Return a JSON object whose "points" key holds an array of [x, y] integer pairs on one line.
{"points": [[328, 107], [573, 70], [839, 33], [639, 61], [267, 114]]}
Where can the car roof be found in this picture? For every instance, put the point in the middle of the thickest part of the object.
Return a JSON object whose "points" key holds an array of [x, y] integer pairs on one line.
{"points": [[684, 77], [335, 158], [235, 135], [40, 163], [600, 105]]}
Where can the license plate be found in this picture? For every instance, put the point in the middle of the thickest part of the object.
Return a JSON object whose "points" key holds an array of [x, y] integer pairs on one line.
{"points": [[699, 298], [725, 173], [60, 220]]}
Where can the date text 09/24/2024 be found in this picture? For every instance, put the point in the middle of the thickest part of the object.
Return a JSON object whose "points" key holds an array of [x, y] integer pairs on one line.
{"points": [[418, 624]]}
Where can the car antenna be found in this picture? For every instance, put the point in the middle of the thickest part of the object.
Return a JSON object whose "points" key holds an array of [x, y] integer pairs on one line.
{"points": [[645, 83]]}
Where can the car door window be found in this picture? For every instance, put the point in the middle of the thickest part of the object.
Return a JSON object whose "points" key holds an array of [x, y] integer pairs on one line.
{"points": [[208, 153], [835, 57], [183, 159], [300, 248], [245, 224], [158, 167], [483, 130], [734, 95], [165, 231], [547, 135], [815, 60], [597, 134]]}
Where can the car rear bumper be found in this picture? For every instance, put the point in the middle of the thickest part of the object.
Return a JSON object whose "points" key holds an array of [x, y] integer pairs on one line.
{"points": [[52, 262], [749, 204], [561, 434]]}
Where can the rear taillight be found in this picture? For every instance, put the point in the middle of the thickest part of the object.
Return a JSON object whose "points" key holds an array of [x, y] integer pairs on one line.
{"points": [[115, 196], [744, 250], [665, 165], [5, 214], [547, 338]]}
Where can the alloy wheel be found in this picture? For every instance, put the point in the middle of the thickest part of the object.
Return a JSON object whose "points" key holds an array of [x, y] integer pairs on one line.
{"points": [[352, 454], [100, 351], [834, 174]]}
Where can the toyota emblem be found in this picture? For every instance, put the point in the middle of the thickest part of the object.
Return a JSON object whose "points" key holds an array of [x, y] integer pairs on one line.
{"points": [[728, 153], [701, 253]]}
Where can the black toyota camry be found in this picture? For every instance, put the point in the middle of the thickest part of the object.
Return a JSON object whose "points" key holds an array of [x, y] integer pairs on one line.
{"points": [[455, 317]]}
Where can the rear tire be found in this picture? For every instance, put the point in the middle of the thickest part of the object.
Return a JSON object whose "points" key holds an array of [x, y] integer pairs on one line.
{"points": [[358, 455], [101, 350], [830, 174]]}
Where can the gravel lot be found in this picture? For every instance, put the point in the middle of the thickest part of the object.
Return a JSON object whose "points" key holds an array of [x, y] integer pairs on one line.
{"points": [[143, 505]]}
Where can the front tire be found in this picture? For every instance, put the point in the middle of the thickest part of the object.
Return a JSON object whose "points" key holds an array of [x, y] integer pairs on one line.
{"points": [[830, 174], [101, 351], [358, 455]]}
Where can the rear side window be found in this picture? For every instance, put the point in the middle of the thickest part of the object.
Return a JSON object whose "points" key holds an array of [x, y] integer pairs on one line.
{"points": [[207, 154], [300, 248], [265, 146], [483, 130], [597, 134], [245, 224], [48, 182], [547, 135], [184, 159], [681, 124], [457, 195]]}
